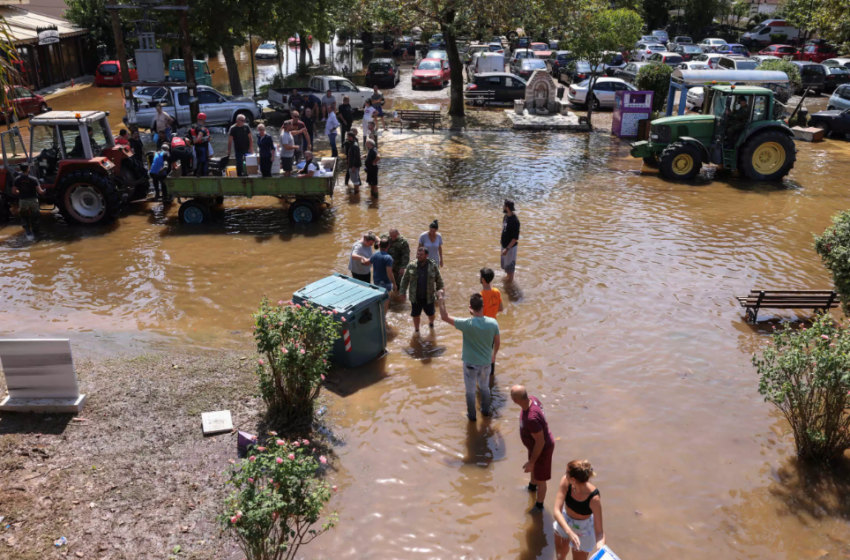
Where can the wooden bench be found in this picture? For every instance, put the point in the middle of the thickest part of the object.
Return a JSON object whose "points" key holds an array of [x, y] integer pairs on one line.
{"points": [[823, 300], [419, 117]]}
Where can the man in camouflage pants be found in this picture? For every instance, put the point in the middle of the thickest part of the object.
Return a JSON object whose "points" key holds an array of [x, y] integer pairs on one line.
{"points": [[399, 250], [420, 283]]}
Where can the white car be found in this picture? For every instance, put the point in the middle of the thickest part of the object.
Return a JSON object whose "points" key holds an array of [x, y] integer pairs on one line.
{"points": [[710, 59], [662, 35], [694, 66], [762, 57], [845, 62], [710, 45], [520, 54], [643, 51], [603, 92], [149, 94], [696, 96], [266, 50]]}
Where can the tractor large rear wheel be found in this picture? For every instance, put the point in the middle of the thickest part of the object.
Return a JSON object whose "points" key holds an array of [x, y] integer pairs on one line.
{"points": [[767, 156], [88, 198], [680, 162]]}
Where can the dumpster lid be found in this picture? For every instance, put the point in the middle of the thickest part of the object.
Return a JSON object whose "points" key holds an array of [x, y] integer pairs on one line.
{"points": [[341, 293]]}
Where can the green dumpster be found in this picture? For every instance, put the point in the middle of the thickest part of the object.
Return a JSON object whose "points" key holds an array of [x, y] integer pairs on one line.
{"points": [[364, 332]]}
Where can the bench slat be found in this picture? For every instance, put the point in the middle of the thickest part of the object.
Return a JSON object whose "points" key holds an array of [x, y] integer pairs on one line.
{"points": [[801, 302], [772, 292]]}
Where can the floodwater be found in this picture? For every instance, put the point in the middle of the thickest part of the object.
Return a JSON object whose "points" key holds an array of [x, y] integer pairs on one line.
{"points": [[622, 321]]}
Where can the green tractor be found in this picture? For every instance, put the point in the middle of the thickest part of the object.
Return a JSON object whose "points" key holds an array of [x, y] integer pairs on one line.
{"points": [[737, 131]]}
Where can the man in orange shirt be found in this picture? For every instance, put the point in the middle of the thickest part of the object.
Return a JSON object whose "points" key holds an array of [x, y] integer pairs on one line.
{"points": [[492, 300]]}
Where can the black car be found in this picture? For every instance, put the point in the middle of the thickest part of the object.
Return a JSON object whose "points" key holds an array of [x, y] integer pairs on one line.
{"points": [[687, 52], [383, 72], [832, 121], [557, 60], [813, 76], [521, 43], [836, 76], [629, 72], [506, 87], [578, 71]]}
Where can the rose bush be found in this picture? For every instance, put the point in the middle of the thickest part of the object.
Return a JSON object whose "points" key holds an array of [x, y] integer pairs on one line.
{"points": [[296, 341], [806, 374], [277, 500]]}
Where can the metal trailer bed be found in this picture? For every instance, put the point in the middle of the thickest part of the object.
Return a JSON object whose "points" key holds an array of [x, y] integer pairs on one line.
{"points": [[304, 198]]}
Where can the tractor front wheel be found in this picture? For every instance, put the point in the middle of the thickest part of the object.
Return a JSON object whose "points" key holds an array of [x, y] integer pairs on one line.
{"points": [[680, 162], [768, 156], [88, 198]]}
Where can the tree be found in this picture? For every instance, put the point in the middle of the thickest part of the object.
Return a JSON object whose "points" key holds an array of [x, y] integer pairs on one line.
{"points": [[212, 30], [655, 77], [834, 249], [599, 33], [827, 17], [791, 70], [93, 15], [698, 14], [656, 13]]}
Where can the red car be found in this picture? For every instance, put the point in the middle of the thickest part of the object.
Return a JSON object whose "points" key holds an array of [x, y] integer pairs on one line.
{"points": [[25, 102], [541, 50], [431, 72], [817, 53], [782, 51], [109, 73]]}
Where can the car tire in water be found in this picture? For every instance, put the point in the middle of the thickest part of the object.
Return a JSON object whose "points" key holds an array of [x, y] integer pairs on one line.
{"points": [[194, 212], [680, 162], [88, 198], [767, 156], [303, 212]]}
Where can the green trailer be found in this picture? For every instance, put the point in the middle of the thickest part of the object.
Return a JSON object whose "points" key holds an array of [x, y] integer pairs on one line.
{"points": [[305, 199]]}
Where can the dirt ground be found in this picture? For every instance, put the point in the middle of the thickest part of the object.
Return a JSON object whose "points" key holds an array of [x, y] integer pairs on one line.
{"points": [[131, 477]]}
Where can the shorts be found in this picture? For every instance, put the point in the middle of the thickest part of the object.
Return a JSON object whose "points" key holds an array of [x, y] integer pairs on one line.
{"points": [[286, 163], [354, 172], [542, 470], [29, 207], [509, 260], [380, 110], [388, 286], [372, 177], [362, 277], [420, 305], [583, 528]]}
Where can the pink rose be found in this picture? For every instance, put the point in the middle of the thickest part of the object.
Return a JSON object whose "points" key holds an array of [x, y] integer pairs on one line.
{"points": [[261, 449], [250, 481], [265, 316], [306, 442], [280, 442], [343, 319], [825, 337], [260, 361], [322, 460], [279, 460], [272, 433], [285, 351], [334, 488], [297, 306], [323, 377], [234, 519], [295, 443], [252, 458], [291, 456], [280, 302], [302, 351], [238, 515], [324, 361]]}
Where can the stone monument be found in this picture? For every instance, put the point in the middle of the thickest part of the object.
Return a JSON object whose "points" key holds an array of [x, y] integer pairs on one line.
{"points": [[540, 93], [40, 376]]}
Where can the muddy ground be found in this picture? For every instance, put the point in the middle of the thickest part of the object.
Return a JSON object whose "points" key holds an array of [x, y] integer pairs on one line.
{"points": [[132, 477]]}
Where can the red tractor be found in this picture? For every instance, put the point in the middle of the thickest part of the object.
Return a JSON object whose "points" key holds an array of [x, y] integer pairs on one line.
{"points": [[86, 175]]}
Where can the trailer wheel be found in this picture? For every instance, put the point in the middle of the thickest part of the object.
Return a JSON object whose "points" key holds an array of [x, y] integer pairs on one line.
{"points": [[303, 212], [194, 212]]}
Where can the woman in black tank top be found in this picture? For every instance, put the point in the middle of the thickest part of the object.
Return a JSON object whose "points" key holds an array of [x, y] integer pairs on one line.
{"points": [[578, 514]]}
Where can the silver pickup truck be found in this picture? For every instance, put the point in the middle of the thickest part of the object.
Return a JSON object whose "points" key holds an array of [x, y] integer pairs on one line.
{"points": [[279, 98], [220, 109]]}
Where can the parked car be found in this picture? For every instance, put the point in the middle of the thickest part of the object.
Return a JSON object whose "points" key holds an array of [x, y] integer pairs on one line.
{"points": [[437, 42], [431, 72], [442, 55], [708, 58], [845, 62], [556, 60], [760, 34], [817, 52], [488, 62], [266, 51], [643, 51], [221, 110], [649, 39], [25, 103], [577, 71], [763, 57], [604, 90], [521, 43], [661, 35], [282, 98], [680, 40], [836, 76], [813, 76], [525, 68], [522, 53], [150, 94], [615, 61], [384, 72], [506, 87], [629, 72], [836, 120], [694, 66], [668, 58], [177, 73], [687, 52], [840, 99], [472, 50], [496, 48], [733, 49], [782, 51], [736, 63], [710, 45], [540, 47], [108, 73], [695, 98]]}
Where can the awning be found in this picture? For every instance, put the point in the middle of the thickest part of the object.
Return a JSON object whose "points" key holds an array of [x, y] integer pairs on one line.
{"points": [[700, 77], [23, 25]]}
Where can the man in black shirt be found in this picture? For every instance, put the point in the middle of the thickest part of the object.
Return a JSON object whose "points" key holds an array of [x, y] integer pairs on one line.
{"points": [[310, 123], [27, 189], [510, 238], [240, 139], [137, 146]]}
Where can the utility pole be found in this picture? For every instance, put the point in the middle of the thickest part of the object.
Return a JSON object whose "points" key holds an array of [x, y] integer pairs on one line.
{"points": [[189, 63]]}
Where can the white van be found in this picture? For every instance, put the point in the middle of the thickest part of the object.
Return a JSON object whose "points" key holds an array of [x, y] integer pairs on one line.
{"points": [[488, 62], [760, 35]]}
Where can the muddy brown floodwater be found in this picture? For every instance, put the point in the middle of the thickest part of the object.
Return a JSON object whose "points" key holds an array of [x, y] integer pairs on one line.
{"points": [[622, 321]]}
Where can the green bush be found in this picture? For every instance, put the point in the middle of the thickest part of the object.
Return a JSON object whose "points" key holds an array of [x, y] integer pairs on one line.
{"points": [[295, 342], [778, 38], [806, 374], [790, 69], [277, 500], [834, 249], [655, 77]]}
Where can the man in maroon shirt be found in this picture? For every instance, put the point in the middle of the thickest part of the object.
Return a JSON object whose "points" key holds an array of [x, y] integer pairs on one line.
{"points": [[535, 435]]}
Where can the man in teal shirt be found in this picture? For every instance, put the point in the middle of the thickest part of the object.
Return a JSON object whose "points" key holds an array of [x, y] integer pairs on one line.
{"points": [[480, 346]]}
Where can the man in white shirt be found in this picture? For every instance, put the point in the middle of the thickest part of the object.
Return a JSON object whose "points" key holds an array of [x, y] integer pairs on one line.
{"points": [[287, 149], [362, 248], [331, 131], [368, 116]]}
